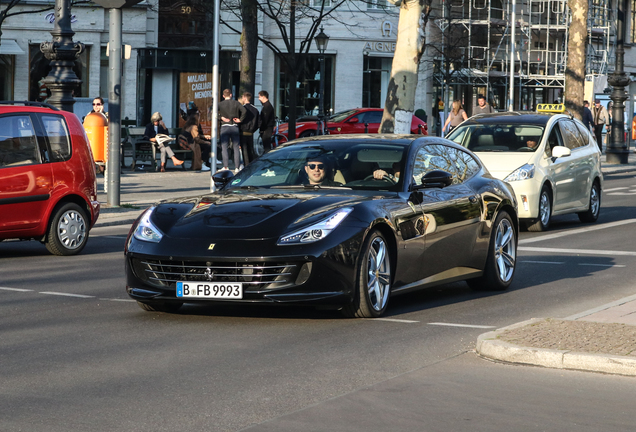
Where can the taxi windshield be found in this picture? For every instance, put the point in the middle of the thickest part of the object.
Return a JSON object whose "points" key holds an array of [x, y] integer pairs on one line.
{"points": [[498, 137]]}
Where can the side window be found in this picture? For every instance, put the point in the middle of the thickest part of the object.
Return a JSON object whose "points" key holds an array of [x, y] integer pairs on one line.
{"points": [[440, 157], [571, 136], [372, 117], [554, 139], [57, 134], [585, 134], [18, 142]]}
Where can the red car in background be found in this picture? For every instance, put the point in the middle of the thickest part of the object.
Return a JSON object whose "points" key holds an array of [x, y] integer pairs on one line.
{"points": [[48, 188], [349, 122]]}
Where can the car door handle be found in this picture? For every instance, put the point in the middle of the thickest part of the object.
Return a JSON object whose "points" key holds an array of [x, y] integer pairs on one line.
{"points": [[473, 199]]}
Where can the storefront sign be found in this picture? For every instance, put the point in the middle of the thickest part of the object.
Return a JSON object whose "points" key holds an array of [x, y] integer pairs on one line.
{"points": [[195, 90], [380, 46]]}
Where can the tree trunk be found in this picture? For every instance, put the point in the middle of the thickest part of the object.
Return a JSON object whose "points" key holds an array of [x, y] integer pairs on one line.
{"points": [[575, 69], [400, 98], [249, 45]]}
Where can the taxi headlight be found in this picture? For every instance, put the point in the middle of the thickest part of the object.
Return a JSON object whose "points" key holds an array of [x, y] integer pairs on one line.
{"points": [[146, 230], [317, 231], [522, 173]]}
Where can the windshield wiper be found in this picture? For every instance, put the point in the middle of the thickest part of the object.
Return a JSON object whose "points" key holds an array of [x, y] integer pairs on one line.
{"points": [[250, 187]]}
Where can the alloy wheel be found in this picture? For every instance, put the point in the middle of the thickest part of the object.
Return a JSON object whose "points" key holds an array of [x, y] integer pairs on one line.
{"points": [[544, 208], [505, 251], [379, 274]]}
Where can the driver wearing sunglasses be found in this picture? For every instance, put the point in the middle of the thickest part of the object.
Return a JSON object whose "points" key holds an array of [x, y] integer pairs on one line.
{"points": [[317, 172]]}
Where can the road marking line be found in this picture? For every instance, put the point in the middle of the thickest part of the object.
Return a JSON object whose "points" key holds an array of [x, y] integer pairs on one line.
{"points": [[615, 189], [577, 231], [543, 262], [622, 193], [602, 265], [461, 325], [394, 320], [15, 289], [601, 308], [577, 251], [112, 236], [66, 294]]}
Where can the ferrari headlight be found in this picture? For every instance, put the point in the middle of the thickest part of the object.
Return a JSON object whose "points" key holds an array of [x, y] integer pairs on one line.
{"points": [[524, 172], [317, 231], [146, 230]]}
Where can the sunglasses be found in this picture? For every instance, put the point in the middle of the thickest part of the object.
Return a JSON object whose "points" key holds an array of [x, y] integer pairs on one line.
{"points": [[97, 104], [313, 166]]}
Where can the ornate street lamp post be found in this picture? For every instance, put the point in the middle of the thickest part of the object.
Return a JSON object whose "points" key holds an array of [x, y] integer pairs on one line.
{"points": [[62, 52], [617, 151], [321, 43]]}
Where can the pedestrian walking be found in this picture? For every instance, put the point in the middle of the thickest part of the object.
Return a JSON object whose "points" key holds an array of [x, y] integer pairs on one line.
{"points": [[248, 127], [231, 113], [455, 117], [482, 107], [588, 118], [267, 120], [601, 118]]}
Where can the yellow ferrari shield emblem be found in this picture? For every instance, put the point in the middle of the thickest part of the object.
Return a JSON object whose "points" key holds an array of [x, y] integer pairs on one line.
{"points": [[211, 246]]}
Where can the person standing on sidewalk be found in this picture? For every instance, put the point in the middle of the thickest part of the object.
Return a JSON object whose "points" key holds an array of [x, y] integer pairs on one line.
{"points": [[231, 113], [267, 120], [248, 127], [601, 118], [588, 118], [482, 107]]}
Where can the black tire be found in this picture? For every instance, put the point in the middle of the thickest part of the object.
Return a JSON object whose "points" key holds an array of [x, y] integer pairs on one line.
{"points": [[308, 133], [168, 307], [68, 230], [542, 223], [371, 295], [502, 257], [591, 215]]}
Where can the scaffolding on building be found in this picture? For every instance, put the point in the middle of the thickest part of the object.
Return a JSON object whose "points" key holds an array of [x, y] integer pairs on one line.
{"points": [[480, 61]]}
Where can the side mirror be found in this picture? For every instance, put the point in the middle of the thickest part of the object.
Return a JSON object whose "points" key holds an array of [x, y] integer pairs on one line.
{"points": [[435, 179], [353, 120], [560, 151], [223, 177]]}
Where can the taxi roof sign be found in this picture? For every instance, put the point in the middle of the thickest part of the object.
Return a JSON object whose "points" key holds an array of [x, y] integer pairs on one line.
{"points": [[553, 108]]}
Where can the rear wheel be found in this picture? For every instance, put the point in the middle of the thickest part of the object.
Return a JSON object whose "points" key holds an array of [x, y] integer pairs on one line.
{"points": [[160, 306], [373, 285], [545, 212], [502, 256], [68, 230], [591, 215]]}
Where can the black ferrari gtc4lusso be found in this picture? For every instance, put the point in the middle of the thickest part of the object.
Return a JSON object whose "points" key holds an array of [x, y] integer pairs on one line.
{"points": [[339, 222]]}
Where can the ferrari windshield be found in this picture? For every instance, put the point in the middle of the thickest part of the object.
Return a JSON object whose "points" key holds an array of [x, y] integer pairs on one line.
{"points": [[327, 164], [498, 137]]}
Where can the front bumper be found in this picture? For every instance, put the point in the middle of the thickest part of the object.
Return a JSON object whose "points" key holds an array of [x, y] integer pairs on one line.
{"points": [[527, 193]]}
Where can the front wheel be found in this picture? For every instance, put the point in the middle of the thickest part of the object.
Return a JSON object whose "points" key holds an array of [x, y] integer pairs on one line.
{"points": [[68, 231], [591, 215], [545, 212], [502, 256], [373, 284], [308, 133]]}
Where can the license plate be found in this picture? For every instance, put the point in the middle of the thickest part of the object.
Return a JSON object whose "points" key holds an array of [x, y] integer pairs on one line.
{"points": [[210, 290]]}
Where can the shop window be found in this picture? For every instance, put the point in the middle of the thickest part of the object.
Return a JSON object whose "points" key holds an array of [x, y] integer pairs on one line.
{"points": [[40, 66], [307, 88]]}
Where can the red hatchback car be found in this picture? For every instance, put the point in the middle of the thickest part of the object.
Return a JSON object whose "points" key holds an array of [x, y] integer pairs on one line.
{"points": [[352, 121], [48, 188]]}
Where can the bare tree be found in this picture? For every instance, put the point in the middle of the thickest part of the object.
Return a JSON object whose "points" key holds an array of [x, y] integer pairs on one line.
{"points": [[575, 68]]}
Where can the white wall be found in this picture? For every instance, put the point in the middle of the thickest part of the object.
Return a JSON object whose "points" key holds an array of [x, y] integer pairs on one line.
{"points": [[162, 95]]}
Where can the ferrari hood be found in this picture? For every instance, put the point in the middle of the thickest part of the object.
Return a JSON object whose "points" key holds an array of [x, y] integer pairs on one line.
{"points": [[500, 164], [246, 215]]}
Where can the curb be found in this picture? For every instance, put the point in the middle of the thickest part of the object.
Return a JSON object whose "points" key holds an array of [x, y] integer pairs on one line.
{"points": [[489, 346]]}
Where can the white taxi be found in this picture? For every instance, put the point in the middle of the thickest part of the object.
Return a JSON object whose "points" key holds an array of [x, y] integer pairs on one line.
{"points": [[549, 158]]}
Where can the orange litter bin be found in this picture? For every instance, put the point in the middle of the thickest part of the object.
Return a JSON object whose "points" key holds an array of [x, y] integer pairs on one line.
{"points": [[96, 127]]}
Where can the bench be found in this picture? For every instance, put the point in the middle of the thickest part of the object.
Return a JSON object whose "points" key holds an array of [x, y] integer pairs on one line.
{"points": [[142, 150]]}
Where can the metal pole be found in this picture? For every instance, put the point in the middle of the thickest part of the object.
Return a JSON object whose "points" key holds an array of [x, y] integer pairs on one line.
{"points": [[513, 30], [114, 106], [617, 151], [215, 92], [62, 52], [321, 103]]}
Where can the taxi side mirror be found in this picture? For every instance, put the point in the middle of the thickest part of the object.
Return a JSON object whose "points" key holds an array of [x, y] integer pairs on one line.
{"points": [[560, 151]]}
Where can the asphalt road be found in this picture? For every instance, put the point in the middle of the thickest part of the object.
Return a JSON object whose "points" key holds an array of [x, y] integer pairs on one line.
{"points": [[77, 355]]}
